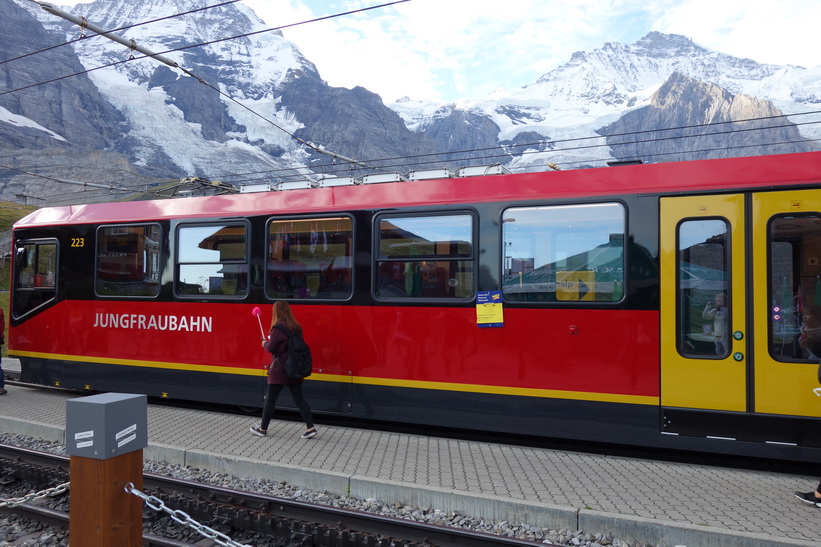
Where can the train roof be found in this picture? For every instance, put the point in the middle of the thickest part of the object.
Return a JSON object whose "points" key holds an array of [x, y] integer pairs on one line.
{"points": [[660, 178]]}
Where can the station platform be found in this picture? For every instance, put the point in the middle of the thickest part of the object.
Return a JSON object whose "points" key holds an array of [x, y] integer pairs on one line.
{"points": [[662, 504]]}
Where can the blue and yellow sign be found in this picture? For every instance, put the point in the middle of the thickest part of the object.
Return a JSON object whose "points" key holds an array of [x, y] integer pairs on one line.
{"points": [[489, 309]]}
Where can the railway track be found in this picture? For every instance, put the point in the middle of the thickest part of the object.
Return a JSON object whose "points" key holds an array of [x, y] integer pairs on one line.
{"points": [[584, 532], [272, 520]]}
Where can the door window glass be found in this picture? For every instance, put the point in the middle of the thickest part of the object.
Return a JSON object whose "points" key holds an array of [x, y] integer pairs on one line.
{"points": [[568, 253], [35, 275], [703, 291], [795, 287]]}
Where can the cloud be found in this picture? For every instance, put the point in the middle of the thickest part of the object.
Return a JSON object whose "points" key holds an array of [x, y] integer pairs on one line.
{"points": [[783, 32], [444, 50]]}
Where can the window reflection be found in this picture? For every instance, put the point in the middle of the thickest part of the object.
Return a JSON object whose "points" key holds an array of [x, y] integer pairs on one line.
{"points": [[795, 287], [36, 275], [564, 253], [703, 294], [128, 260], [212, 260], [425, 257], [310, 258]]}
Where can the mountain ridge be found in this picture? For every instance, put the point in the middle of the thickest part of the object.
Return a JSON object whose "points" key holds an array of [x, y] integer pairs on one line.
{"points": [[166, 124]]}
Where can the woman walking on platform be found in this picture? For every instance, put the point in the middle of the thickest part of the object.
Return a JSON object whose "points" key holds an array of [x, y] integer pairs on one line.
{"points": [[277, 344]]}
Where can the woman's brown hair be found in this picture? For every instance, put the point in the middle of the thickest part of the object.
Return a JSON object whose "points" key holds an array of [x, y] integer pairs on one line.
{"points": [[282, 312]]}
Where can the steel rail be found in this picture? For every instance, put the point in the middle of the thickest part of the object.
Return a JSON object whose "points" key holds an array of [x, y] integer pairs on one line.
{"points": [[309, 524], [60, 520]]}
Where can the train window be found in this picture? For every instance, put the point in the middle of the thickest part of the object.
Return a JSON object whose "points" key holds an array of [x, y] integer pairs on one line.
{"points": [[425, 256], [702, 288], [795, 287], [565, 253], [212, 260], [310, 258], [128, 260], [35, 275]]}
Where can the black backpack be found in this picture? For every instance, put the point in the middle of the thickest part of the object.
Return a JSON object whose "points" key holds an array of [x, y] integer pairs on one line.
{"points": [[298, 362]]}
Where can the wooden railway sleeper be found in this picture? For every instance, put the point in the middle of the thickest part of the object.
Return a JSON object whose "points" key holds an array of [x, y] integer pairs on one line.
{"points": [[225, 518], [35, 474]]}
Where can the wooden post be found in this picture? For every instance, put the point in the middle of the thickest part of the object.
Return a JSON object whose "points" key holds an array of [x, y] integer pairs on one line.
{"points": [[105, 438], [102, 513]]}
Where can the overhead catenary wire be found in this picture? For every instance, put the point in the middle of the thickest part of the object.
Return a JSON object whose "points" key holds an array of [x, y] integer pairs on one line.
{"points": [[72, 198], [133, 46], [200, 44], [110, 187], [548, 141], [190, 46], [697, 151], [126, 27], [505, 151], [536, 166], [497, 152], [104, 188], [591, 161], [336, 170], [104, 33]]}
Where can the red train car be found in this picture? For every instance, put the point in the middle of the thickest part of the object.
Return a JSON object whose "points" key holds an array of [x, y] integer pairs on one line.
{"points": [[569, 304]]}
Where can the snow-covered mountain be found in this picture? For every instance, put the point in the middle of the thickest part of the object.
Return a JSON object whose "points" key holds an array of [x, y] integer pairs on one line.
{"points": [[173, 119], [268, 99], [141, 119], [595, 89]]}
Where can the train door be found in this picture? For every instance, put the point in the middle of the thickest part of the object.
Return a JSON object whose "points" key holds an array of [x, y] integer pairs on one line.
{"points": [[786, 243], [34, 280], [703, 303]]}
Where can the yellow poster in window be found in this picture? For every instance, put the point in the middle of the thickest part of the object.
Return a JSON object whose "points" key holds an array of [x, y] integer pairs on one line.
{"points": [[576, 286]]}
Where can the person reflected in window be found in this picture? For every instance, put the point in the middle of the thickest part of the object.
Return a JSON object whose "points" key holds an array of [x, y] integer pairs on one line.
{"points": [[809, 338], [717, 313], [810, 341]]}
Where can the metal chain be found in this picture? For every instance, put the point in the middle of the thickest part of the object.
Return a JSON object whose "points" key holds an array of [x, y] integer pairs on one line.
{"points": [[48, 492], [157, 504]]}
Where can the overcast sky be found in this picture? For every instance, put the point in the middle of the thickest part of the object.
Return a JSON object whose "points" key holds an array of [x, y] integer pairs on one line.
{"points": [[444, 50]]}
